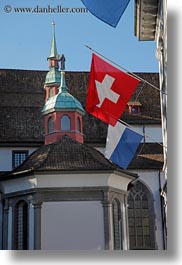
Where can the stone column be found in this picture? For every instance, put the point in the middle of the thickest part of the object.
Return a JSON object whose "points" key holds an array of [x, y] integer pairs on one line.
{"points": [[10, 228], [108, 226], [125, 224], [30, 223], [5, 225], [37, 224]]}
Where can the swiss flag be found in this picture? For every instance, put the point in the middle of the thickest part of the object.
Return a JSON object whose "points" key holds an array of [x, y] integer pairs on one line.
{"points": [[109, 90]]}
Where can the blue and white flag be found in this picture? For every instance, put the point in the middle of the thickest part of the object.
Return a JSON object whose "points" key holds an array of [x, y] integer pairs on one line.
{"points": [[109, 11], [122, 143]]}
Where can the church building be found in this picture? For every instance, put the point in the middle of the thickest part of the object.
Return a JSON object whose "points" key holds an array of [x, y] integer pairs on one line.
{"points": [[65, 195]]}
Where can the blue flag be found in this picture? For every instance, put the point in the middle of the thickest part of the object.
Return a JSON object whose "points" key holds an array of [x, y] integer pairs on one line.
{"points": [[122, 143], [109, 11]]}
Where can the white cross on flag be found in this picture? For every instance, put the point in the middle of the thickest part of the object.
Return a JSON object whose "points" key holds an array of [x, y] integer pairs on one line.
{"points": [[109, 90]]}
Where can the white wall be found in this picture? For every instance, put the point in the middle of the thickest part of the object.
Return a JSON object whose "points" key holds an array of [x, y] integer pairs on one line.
{"points": [[6, 156], [75, 225], [153, 133]]}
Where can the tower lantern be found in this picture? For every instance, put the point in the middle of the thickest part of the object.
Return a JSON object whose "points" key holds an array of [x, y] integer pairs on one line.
{"points": [[62, 112]]}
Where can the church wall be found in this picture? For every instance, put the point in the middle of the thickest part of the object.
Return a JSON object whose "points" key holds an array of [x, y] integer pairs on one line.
{"points": [[118, 181], [72, 180], [153, 180], [18, 184], [154, 132], [67, 180], [6, 156], [77, 225]]}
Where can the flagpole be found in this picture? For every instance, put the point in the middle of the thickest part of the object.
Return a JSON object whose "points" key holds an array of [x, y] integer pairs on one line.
{"points": [[119, 66]]}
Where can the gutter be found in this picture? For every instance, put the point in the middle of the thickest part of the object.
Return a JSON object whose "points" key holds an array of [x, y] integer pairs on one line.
{"points": [[22, 172]]}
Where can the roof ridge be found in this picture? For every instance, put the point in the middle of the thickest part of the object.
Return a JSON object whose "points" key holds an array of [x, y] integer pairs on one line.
{"points": [[47, 155], [99, 153], [24, 162]]}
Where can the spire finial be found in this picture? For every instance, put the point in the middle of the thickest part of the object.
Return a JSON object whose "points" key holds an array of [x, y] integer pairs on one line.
{"points": [[63, 87], [53, 53]]}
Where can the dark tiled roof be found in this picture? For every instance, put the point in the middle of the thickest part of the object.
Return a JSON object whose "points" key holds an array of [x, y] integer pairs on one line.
{"points": [[65, 154], [148, 156], [149, 98], [23, 96], [69, 155]]}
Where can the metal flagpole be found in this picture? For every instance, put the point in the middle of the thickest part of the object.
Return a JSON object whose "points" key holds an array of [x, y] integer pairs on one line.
{"points": [[138, 77]]}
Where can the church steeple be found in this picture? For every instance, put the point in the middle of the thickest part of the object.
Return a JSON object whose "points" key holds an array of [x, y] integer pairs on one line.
{"points": [[53, 77], [53, 53], [62, 112]]}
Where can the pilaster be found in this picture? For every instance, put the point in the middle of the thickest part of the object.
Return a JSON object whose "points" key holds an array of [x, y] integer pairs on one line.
{"points": [[37, 224], [5, 225], [108, 226], [125, 226]]}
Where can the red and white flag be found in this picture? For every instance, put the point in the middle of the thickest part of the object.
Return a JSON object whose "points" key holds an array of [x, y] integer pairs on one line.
{"points": [[109, 90]]}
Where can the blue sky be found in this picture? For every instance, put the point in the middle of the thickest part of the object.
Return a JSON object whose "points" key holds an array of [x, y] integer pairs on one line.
{"points": [[26, 38]]}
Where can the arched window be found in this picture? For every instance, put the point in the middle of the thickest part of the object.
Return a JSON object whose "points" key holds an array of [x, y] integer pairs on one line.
{"points": [[21, 226], [141, 217], [65, 123], [78, 124], [117, 224], [50, 125]]}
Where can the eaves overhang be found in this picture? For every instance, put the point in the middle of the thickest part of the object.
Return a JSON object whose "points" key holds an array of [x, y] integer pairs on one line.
{"points": [[146, 13]]}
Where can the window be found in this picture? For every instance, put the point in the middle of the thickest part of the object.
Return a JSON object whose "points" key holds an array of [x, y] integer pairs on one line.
{"points": [[51, 92], [134, 107], [135, 110], [78, 125], [21, 226], [140, 218], [50, 125], [65, 123], [18, 157], [117, 228]]}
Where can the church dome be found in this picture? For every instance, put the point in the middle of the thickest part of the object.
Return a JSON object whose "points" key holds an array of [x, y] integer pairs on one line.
{"points": [[63, 100]]}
